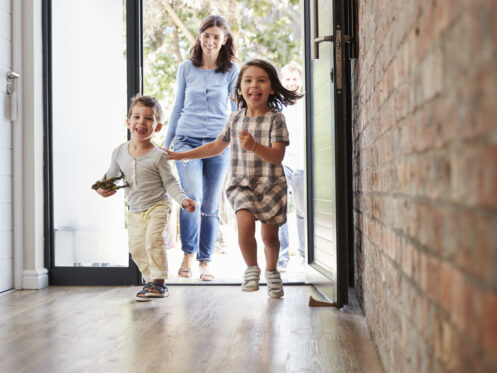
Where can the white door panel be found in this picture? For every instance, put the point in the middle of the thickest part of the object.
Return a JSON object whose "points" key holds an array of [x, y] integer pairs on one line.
{"points": [[6, 225], [5, 24], [5, 6], [5, 244], [5, 189], [5, 217], [6, 131], [5, 161], [3, 107], [5, 57], [6, 274]]}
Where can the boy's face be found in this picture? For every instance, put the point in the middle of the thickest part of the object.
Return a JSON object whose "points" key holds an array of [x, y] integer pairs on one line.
{"points": [[292, 81], [143, 123]]}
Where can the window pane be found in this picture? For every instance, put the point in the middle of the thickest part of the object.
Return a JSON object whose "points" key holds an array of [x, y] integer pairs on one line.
{"points": [[89, 109]]}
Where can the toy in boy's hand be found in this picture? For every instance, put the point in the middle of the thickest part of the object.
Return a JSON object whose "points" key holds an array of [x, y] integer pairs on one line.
{"points": [[109, 183]]}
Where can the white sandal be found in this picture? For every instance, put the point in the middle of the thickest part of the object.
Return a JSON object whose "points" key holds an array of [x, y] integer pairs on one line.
{"points": [[251, 279], [205, 272], [274, 284]]}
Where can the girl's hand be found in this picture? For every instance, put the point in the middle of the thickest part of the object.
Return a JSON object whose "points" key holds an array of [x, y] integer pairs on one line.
{"points": [[188, 205], [173, 155], [106, 192], [246, 141]]}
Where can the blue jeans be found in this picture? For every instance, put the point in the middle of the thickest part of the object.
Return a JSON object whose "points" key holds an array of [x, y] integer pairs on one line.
{"points": [[203, 181], [295, 181]]}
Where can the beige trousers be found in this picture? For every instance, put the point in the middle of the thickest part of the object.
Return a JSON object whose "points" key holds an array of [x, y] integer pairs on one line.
{"points": [[147, 246]]}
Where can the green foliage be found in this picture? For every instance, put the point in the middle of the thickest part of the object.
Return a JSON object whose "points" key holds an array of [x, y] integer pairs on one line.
{"points": [[268, 29]]}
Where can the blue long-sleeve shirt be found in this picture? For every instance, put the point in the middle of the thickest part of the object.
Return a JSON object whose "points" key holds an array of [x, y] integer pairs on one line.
{"points": [[200, 107]]}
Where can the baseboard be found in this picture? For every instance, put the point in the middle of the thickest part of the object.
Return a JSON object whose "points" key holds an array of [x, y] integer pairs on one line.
{"points": [[37, 279]]}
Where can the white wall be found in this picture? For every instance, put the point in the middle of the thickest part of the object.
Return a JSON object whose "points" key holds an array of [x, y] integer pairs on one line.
{"points": [[28, 147], [6, 224]]}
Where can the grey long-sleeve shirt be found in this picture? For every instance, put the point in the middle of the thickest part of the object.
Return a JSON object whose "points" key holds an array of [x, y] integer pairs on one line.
{"points": [[149, 177]]}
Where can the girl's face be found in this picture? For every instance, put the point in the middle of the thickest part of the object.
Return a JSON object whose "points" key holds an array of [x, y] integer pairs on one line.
{"points": [[255, 87], [142, 123], [292, 81], [211, 41]]}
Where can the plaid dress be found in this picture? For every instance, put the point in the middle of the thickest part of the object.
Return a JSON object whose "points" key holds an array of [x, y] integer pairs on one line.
{"points": [[255, 184]]}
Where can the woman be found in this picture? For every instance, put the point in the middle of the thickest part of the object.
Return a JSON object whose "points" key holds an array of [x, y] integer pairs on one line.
{"points": [[204, 84]]}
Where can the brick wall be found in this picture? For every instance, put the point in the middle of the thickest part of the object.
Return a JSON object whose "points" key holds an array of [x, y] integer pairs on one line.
{"points": [[425, 182]]}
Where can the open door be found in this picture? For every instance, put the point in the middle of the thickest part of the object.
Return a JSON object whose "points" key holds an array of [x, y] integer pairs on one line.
{"points": [[326, 149], [91, 69]]}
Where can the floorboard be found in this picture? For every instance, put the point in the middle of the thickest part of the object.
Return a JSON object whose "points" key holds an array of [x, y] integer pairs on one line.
{"points": [[205, 329]]}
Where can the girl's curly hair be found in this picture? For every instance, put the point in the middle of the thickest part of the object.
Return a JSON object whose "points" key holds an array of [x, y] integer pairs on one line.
{"points": [[281, 96]]}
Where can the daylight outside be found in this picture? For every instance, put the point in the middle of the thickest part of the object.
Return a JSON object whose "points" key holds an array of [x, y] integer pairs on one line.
{"points": [[267, 29]]}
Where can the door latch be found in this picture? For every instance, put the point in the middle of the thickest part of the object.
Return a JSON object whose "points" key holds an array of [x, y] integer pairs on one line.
{"points": [[11, 78]]}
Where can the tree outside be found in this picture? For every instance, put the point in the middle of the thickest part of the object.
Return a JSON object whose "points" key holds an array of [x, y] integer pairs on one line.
{"points": [[267, 29]]}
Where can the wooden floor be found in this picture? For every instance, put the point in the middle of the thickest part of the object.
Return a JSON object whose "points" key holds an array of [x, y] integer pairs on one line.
{"points": [[198, 329]]}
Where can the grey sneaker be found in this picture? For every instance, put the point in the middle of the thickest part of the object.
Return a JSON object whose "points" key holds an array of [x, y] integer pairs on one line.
{"points": [[274, 284], [251, 279]]}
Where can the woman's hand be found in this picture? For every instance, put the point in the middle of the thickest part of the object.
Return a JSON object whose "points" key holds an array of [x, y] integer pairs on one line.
{"points": [[188, 205], [173, 155], [106, 192], [246, 140]]}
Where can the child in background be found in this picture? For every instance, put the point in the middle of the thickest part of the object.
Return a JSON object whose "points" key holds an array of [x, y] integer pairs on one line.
{"points": [[257, 187], [293, 164], [149, 178]]}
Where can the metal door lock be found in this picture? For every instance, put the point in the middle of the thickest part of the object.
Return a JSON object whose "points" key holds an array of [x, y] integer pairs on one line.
{"points": [[11, 78]]}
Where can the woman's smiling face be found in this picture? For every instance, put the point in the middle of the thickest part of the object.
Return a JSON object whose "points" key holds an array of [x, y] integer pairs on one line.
{"points": [[211, 41]]}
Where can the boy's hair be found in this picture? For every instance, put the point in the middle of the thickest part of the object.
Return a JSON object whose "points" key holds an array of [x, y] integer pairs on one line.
{"points": [[147, 101], [291, 67], [226, 53], [281, 96]]}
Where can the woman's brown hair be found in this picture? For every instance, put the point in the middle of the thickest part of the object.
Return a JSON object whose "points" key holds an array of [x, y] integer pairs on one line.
{"points": [[227, 51]]}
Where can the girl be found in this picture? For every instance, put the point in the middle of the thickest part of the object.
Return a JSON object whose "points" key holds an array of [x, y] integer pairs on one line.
{"points": [[257, 186], [199, 113]]}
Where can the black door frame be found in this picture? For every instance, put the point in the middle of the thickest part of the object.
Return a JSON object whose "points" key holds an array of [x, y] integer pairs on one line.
{"points": [[85, 275], [343, 11]]}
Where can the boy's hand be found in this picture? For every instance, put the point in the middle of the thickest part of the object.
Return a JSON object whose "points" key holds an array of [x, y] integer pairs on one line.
{"points": [[188, 205], [106, 192], [173, 155], [246, 140]]}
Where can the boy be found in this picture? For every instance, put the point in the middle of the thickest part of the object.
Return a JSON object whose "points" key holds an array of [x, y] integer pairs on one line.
{"points": [[148, 175], [294, 164]]}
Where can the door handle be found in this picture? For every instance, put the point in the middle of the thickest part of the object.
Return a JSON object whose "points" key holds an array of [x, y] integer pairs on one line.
{"points": [[11, 77], [12, 94], [321, 39], [318, 39]]}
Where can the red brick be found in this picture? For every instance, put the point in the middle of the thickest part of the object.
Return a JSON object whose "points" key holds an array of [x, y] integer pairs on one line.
{"points": [[486, 187], [446, 285], [407, 260], [458, 299], [446, 232], [416, 265], [473, 313], [483, 104], [425, 160], [490, 325], [423, 260], [450, 342], [491, 5], [434, 278]]}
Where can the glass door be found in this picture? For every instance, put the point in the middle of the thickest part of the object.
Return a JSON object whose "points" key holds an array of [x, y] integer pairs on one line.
{"points": [[86, 75], [325, 144]]}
